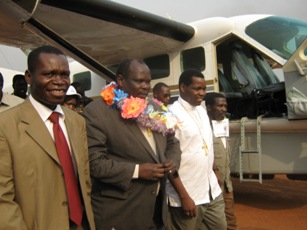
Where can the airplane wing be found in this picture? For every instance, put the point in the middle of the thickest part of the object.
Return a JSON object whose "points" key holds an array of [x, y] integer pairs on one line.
{"points": [[97, 33]]}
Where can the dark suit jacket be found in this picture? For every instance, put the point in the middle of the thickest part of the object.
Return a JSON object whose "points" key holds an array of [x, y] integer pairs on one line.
{"points": [[32, 190], [116, 145]]}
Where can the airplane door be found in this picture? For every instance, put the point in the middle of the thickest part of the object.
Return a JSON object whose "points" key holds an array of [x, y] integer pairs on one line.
{"points": [[295, 72]]}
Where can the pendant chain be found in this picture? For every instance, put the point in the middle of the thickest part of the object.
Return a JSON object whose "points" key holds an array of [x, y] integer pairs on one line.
{"points": [[199, 125]]}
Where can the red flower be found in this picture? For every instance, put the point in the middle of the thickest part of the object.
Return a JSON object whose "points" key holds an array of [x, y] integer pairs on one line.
{"points": [[108, 94], [133, 107]]}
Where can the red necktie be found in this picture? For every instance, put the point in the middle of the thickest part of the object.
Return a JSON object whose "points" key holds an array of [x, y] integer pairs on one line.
{"points": [[74, 202]]}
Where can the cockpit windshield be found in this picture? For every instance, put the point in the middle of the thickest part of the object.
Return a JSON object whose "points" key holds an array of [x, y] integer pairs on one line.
{"points": [[282, 35]]}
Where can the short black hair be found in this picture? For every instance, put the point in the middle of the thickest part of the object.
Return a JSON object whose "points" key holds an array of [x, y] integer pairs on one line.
{"points": [[18, 77], [158, 86], [123, 67], [210, 98], [34, 55], [186, 76]]}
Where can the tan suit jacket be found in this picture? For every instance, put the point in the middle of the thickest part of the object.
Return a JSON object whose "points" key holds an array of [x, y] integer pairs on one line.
{"points": [[116, 145], [32, 190], [222, 161]]}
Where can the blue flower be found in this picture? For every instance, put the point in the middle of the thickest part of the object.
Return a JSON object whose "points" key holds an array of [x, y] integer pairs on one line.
{"points": [[149, 109], [119, 94]]}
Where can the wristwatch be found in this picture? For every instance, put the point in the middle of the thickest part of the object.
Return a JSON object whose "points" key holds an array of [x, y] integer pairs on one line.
{"points": [[173, 173]]}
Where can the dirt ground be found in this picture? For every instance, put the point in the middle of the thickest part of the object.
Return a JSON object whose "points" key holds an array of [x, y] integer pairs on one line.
{"points": [[278, 204]]}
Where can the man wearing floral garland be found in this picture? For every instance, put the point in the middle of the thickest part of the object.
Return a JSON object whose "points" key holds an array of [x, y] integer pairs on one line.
{"points": [[132, 150]]}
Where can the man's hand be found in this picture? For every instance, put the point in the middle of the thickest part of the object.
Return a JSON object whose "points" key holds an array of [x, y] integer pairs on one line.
{"points": [[149, 171], [218, 176], [188, 206], [169, 167]]}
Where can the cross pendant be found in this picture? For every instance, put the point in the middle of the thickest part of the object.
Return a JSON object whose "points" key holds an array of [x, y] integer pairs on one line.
{"points": [[204, 146], [149, 132]]}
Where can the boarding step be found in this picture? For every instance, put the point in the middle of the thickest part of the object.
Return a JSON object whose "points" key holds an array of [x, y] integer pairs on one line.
{"points": [[243, 150]]}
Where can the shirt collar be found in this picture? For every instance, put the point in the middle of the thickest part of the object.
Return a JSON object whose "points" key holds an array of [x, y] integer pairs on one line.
{"points": [[4, 101], [43, 111], [186, 105]]}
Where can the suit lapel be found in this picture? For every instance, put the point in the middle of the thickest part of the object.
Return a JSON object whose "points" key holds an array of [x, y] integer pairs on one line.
{"points": [[159, 138], [37, 130], [136, 131], [72, 135]]}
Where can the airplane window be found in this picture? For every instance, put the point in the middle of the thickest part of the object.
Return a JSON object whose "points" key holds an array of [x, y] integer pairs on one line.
{"points": [[159, 66], [193, 59], [282, 35], [84, 78]]}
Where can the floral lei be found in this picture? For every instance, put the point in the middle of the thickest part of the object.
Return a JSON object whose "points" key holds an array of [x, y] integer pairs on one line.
{"points": [[138, 109]]}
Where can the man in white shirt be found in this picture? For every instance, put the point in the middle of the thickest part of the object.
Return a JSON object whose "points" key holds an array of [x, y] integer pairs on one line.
{"points": [[195, 198]]}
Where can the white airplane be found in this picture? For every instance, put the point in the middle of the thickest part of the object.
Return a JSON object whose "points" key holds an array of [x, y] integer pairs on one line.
{"points": [[258, 61]]}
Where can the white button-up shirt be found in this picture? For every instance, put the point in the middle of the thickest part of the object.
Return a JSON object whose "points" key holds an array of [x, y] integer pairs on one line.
{"points": [[196, 166]]}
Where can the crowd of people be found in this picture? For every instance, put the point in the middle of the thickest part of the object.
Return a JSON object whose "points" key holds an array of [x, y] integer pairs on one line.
{"points": [[128, 162]]}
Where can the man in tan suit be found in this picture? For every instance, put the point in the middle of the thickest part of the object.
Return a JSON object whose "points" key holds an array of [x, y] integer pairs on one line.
{"points": [[216, 104], [33, 182]]}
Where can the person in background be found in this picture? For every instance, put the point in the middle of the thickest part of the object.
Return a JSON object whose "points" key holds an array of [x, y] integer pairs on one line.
{"points": [[20, 86], [162, 93], [129, 160], [216, 104], [44, 168], [7, 101], [195, 197], [72, 98], [84, 101]]}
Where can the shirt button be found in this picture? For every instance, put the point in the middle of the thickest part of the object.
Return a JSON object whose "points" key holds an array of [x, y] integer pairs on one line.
{"points": [[64, 203], [153, 192]]}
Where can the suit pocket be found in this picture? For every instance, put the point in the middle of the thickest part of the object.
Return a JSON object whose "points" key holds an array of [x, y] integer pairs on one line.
{"points": [[107, 190], [114, 193]]}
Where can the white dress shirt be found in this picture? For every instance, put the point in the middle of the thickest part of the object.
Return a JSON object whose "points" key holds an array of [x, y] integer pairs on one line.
{"points": [[196, 166]]}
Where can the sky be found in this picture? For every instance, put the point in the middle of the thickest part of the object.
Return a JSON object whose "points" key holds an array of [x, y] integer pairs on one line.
{"points": [[192, 10]]}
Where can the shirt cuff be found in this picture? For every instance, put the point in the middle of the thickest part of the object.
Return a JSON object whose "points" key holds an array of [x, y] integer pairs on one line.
{"points": [[136, 172]]}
